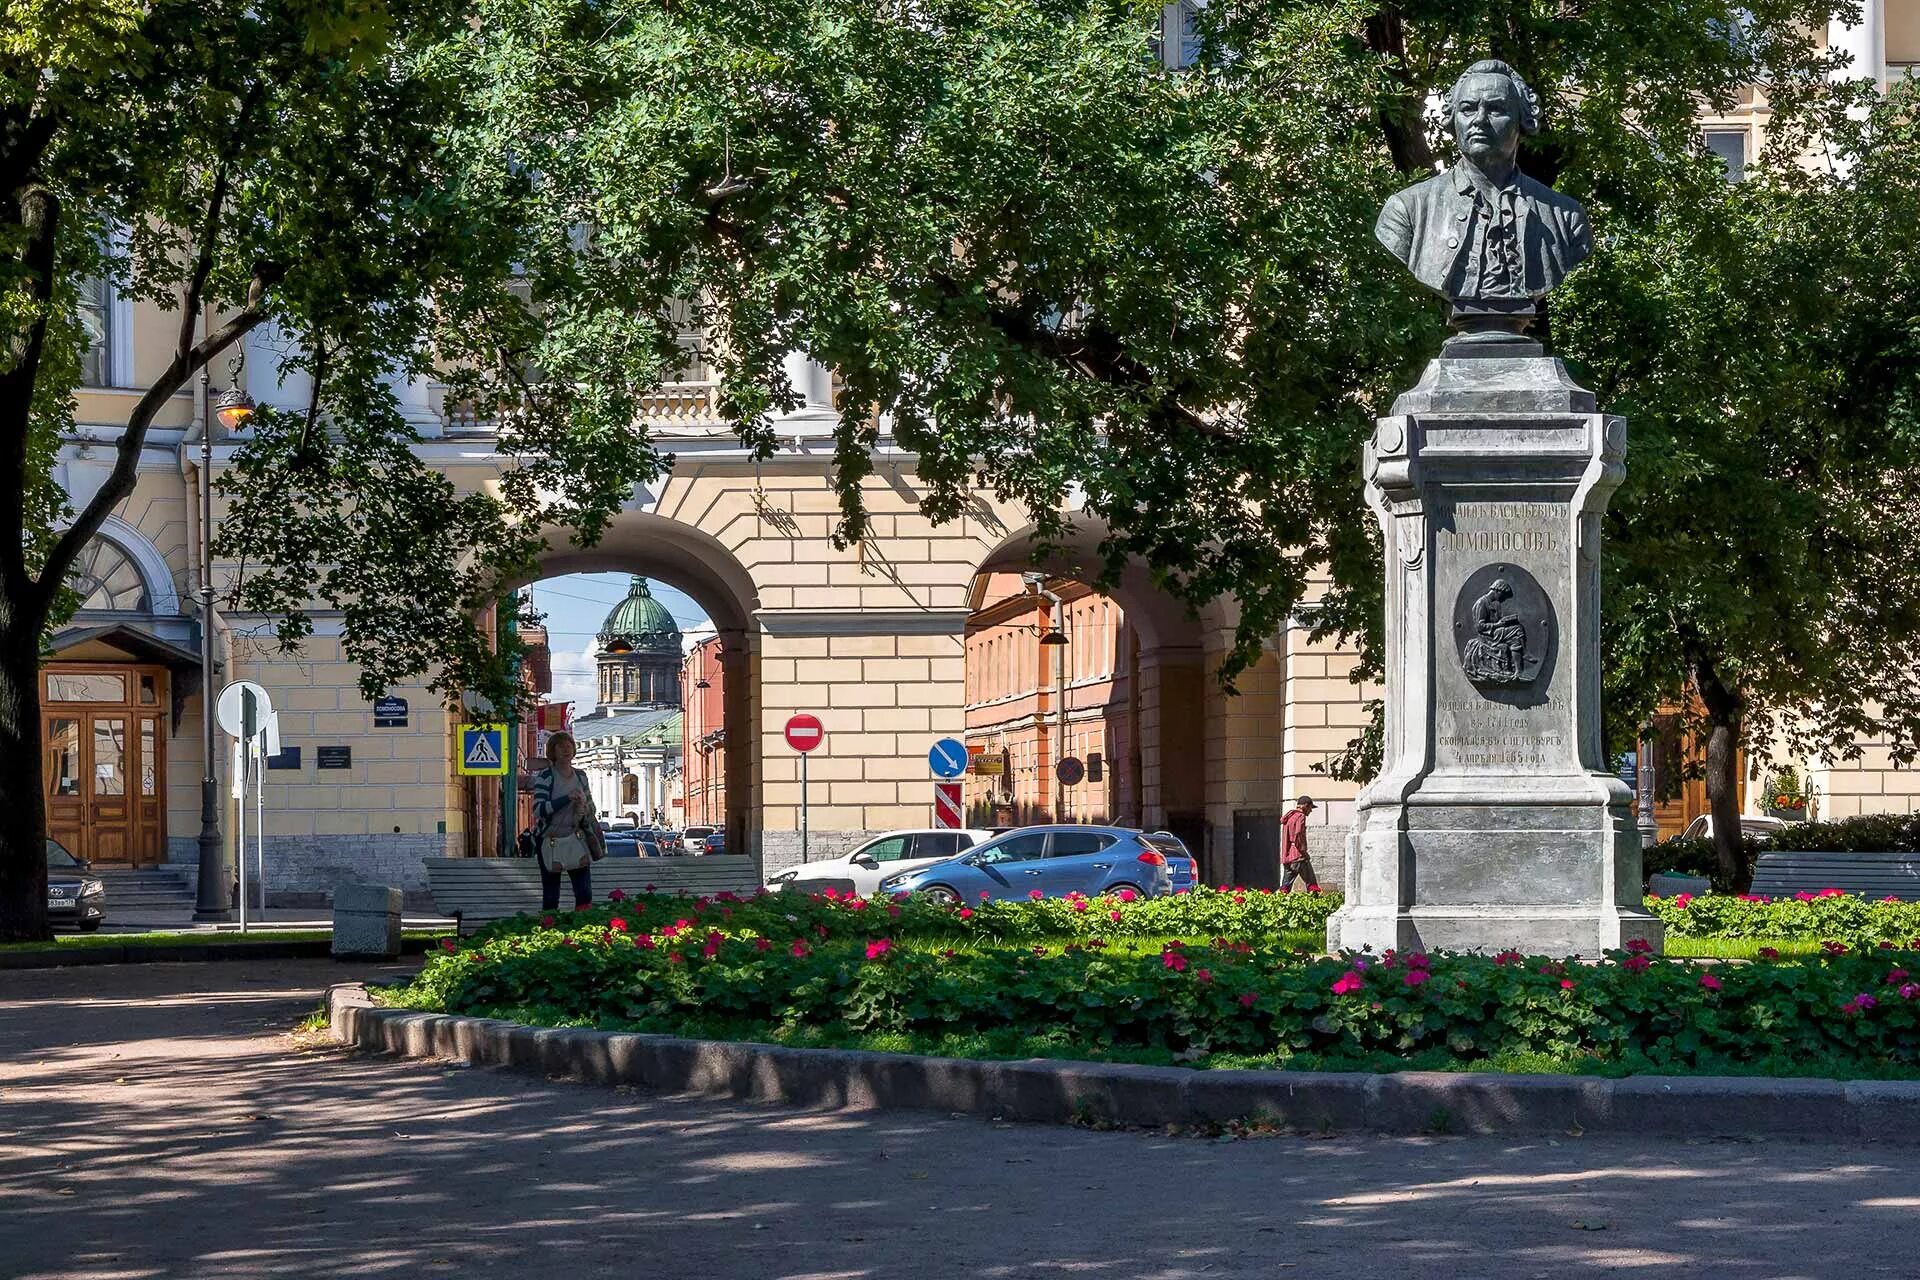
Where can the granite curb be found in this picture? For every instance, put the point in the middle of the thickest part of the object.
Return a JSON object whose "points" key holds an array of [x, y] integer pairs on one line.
{"points": [[1408, 1102], [58, 957]]}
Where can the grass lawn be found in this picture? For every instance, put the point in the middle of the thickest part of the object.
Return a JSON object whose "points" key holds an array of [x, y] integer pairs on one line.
{"points": [[1740, 948]]}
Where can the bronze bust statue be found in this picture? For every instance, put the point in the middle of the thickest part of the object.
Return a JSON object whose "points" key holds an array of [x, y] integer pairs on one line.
{"points": [[1482, 234]]}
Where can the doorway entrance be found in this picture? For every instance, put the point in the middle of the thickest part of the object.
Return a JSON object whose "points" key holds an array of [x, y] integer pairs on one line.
{"points": [[104, 742]]}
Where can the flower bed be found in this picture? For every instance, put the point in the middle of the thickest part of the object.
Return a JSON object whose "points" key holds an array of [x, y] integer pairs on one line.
{"points": [[1827, 916], [1089, 978]]}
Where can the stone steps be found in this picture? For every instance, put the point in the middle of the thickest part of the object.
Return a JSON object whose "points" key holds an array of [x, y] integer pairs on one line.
{"points": [[162, 888]]}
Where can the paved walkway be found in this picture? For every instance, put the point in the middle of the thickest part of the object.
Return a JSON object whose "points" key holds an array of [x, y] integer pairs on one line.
{"points": [[158, 1121]]}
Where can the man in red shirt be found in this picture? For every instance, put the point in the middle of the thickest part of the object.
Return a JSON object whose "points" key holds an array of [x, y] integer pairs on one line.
{"points": [[1293, 847]]}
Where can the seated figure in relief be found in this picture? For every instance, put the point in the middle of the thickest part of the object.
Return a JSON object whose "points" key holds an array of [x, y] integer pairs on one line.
{"points": [[1496, 652]]}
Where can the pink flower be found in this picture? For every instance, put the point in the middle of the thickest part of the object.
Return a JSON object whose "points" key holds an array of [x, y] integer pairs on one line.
{"points": [[879, 947], [800, 947], [644, 942], [984, 895], [893, 913], [966, 913], [618, 924], [618, 895], [1039, 951], [1418, 960], [674, 957], [1566, 984], [1417, 976], [1313, 888], [1681, 900], [649, 888], [1831, 893], [831, 893], [1803, 896], [1636, 964], [1834, 948], [1203, 975], [1128, 895], [1859, 1004], [1895, 976], [546, 922], [1080, 904], [1173, 960], [1248, 999], [901, 896], [1639, 946], [1035, 894], [1908, 990], [762, 944], [1752, 897], [1348, 983], [1710, 982], [447, 944], [712, 948], [1769, 953], [1507, 957], [1113, 915]]}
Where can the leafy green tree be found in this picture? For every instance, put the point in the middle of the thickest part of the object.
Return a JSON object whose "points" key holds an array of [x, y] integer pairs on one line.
{"points": [[1766, 351], [236, 163]]}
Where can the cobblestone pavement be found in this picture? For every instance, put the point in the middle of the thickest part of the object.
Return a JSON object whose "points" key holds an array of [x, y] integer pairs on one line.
{"points": [[160, 1121]]}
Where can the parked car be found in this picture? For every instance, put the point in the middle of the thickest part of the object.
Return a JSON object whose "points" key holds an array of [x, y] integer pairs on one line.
{"points": [[73, 896], [715, 843], [862, 868], [1053, 861], [1701, 828], [1181, 865], [694, 839]]}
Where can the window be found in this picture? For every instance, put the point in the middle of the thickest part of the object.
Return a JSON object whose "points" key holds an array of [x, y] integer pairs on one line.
{"points": [[1176, 44], [1077, 844], [96, 322], [1016, 848], [891, 849], [1731, 146], [937, 844], [105, 579], [92, 686]]}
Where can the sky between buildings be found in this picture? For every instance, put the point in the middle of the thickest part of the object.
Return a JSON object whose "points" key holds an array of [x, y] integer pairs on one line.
{"points": [[575, 606]]}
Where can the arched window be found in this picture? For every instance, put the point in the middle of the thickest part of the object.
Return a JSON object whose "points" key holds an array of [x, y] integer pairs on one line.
{"points": [[107, 580]]}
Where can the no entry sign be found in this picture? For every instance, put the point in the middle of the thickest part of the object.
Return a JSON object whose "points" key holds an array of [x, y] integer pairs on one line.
{"points": [[805, 732]]}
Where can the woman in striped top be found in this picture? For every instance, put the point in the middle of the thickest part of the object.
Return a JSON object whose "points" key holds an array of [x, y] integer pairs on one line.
{"points": [[562, 815]]}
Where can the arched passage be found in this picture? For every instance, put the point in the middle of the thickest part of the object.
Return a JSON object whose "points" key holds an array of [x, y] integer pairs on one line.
{"points": [[1182, 752], [649, 545]]}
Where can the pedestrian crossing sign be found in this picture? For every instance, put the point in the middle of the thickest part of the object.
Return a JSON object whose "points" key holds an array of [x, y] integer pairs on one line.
{"points": [[483, 750]]}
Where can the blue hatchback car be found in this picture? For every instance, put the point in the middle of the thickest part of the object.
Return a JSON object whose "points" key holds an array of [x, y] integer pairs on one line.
{"points": [[1054, 861]]}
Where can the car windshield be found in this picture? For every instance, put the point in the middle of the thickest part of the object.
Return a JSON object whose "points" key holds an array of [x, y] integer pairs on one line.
{"points": [[57, 856], [1165, 844]]}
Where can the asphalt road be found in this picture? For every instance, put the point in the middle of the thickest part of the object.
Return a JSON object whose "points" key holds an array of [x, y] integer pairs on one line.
{"points": [[159, 1121]]}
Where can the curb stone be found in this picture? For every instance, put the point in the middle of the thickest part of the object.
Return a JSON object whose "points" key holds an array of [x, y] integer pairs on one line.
{"points": [[1407, 1102]]}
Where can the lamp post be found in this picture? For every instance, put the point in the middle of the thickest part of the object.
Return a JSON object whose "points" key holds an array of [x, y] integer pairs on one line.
{"points": [[213, 898], [1055, 639]]}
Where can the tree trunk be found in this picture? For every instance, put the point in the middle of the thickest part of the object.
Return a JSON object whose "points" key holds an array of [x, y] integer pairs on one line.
{"points": [[1724, 708], [23, 836]]}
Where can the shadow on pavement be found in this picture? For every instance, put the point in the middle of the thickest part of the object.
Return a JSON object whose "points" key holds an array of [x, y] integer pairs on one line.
{"points": [[164, 1126]]}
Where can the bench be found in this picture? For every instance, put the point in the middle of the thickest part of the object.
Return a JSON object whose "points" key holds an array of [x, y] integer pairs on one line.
{"points": [[1781, 873], [477, 891]]}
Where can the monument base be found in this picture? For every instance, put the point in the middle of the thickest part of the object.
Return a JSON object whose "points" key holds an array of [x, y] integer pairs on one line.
{"points": [[1495, 823]]}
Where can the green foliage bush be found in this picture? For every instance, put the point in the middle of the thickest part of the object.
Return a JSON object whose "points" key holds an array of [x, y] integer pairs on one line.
{"points": [[774, 966], [1891, 832], [1827, 916]]}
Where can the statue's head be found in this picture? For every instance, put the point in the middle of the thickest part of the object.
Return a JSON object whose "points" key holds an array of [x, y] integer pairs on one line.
{"points": [[1489, 108], [1501, 589]]}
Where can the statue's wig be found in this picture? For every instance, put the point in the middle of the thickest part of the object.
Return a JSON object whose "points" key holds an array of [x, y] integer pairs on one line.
{"points": [[1522, 91]]}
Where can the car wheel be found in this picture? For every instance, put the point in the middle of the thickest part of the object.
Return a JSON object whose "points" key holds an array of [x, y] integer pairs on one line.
{"points": [[1113, 890], [89, 926], [940, 895]]}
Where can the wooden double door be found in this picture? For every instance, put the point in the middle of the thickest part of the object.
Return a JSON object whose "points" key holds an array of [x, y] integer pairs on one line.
{"points": [[103, 729]]}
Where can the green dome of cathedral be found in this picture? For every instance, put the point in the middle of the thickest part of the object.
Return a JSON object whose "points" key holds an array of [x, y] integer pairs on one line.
{"points": [[641, 622]]}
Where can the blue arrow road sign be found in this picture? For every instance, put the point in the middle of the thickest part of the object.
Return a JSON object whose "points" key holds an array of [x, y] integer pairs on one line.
{"points": [[948, 758]]}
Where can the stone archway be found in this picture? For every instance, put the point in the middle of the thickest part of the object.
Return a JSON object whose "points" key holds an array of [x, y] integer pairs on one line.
{"points": [[656, 546]]}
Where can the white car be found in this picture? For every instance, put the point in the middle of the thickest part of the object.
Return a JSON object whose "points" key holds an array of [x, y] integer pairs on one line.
{"points": [[862, 869], [1701, 828], [694, 839]]}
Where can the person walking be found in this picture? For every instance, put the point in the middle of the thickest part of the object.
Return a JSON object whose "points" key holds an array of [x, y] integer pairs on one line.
{"points": [[1294, 862], [566, 830]]}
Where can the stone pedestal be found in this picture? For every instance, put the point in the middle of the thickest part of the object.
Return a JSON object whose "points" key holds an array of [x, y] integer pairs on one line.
{"points": [[1495, 822], [366, 921]]}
